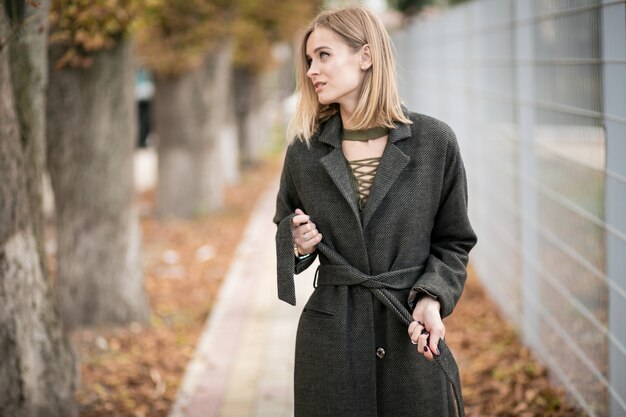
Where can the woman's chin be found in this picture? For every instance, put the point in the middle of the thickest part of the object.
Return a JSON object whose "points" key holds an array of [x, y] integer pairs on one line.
{"points": [[323, 101]]}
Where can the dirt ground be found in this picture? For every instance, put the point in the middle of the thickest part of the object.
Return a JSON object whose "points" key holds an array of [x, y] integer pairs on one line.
{"points": [[135, 371]]}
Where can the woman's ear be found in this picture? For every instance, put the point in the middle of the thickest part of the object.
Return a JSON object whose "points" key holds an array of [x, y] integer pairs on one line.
{"points": [[366, 57]]}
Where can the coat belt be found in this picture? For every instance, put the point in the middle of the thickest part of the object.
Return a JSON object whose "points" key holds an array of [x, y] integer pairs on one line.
{"points": [[400, 279], [380, 285]]}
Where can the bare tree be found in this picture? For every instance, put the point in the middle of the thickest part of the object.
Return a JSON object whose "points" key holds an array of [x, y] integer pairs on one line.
{"points": [[37, 370], [190, 112], [249, 105], [186, 45], [91, 136]]}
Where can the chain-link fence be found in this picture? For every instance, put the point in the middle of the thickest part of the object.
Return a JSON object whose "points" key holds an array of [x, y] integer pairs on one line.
{"points": [[536, 92]]}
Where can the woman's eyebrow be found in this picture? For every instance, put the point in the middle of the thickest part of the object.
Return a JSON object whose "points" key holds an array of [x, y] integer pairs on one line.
{"points": [[321, 47], [318, 48]]}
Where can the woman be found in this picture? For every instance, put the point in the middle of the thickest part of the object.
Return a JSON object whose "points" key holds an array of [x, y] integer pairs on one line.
{"points": [[379, 194]]}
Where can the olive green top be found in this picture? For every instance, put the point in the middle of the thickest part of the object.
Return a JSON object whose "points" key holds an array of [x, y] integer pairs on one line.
{"points": [[363, 173], [364, 170], [364, 134]]}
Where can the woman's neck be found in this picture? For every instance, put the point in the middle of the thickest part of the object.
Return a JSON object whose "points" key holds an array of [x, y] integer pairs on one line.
{"points": [[346, 113]]}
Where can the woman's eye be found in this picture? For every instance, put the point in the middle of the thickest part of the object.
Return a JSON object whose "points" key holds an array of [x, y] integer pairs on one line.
{"points": [[324, 54]]}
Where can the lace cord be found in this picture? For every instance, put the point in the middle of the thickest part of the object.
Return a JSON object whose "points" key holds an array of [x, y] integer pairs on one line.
{"points": [[363, 173]]}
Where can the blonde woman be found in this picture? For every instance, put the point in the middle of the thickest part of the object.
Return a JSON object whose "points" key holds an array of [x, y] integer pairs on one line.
{"points": [[379, 195]]}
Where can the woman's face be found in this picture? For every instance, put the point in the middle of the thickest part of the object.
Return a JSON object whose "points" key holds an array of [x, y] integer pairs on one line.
{"points": [[335, 70]]}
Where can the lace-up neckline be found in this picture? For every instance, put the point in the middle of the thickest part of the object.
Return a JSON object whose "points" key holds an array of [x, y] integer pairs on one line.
{"points": [[363, 173]]}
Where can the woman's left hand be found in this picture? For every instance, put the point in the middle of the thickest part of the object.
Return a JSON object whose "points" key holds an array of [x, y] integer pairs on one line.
{"points": [[427, 327]]}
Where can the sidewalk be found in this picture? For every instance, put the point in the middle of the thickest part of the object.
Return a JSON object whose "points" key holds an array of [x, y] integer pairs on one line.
{"points": [[243, 364]]}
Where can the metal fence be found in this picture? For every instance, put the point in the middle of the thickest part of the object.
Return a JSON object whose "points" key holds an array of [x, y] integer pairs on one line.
{"points": [[536, 93]]}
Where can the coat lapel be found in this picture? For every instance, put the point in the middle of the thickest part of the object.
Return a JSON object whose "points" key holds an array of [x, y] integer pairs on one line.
{"points": [[392, 162], [335, 165], [337, 169]]}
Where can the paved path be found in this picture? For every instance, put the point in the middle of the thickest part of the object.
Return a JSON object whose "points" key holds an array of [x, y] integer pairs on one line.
{"points": [[243, 365]]}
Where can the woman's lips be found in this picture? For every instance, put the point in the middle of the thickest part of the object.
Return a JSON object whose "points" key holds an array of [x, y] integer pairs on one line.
{"points": [[318, 86]]}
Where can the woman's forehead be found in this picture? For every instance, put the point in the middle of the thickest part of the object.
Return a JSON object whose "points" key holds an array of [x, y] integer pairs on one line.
{"points": [[320, 38]]}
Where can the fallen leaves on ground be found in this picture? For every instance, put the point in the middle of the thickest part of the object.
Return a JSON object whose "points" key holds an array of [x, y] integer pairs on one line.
{"points": [[135, 371], [499, 375]]}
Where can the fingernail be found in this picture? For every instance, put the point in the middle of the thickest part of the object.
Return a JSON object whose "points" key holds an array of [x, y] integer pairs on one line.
{"points": [[425, 348], [437, 351]]}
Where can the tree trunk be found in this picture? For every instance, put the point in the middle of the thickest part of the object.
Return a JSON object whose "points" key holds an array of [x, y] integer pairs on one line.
{"points": [[252, 128], [189, 117], [29, 70], [91, 137], [37, 369], [228, 137]]}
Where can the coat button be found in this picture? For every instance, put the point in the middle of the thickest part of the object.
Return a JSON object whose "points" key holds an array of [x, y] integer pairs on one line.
{"points": [[380, 352]]}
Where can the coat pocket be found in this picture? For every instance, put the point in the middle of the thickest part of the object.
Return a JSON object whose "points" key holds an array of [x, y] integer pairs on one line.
{"points": [[317, 312]]}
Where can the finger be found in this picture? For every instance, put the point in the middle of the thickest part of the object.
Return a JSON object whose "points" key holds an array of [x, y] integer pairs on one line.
{"points": [[422, 341], [308, 236], [312, 242], [436, 332], [412, 327], [297, 236], [300, 219], [417, 331], [429, 355], [306, 227], [425, 350], [305, 246]]}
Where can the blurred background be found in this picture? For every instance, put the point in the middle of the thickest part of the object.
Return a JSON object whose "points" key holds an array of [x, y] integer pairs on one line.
{"points": [[136, 137]]}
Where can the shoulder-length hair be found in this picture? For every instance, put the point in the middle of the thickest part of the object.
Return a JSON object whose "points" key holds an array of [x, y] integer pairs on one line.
{"points": [[379, 103]]}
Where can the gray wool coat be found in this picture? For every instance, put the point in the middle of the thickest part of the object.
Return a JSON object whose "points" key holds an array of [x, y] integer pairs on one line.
{"points": [[353, 354]]}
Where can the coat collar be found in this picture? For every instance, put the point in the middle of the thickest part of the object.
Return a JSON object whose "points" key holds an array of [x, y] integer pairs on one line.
{"points": [[330, 131], [393, 161]]}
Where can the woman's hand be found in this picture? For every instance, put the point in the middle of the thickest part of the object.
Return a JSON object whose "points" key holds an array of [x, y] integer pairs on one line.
{"points": [[305, 234], [427, 327]]}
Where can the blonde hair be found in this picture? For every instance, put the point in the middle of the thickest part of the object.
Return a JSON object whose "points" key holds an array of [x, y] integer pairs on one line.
{"points": [[379, 103]]}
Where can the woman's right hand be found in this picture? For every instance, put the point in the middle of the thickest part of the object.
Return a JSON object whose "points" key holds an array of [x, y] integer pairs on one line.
{"points": [[305, 234], [427, 327]]}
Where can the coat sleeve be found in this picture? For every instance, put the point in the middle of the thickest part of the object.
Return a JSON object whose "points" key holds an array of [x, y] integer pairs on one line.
{"points": [[451, 239], [286, 262]]}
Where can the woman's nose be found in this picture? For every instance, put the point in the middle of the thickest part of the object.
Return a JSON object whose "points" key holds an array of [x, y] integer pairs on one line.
{"points": [[312, 70]]}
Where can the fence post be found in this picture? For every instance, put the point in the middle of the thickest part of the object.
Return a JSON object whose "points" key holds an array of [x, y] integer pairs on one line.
{"points": [[614, 105], [525, 83]]}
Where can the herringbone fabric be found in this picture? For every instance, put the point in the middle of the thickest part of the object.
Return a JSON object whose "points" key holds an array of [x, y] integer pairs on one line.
{"points": [[415, 220]]}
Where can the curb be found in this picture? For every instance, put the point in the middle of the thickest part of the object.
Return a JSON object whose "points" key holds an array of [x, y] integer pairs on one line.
{"points": [[223, 306]]}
